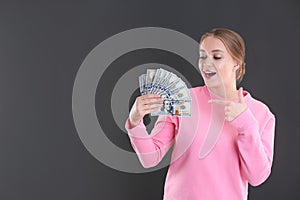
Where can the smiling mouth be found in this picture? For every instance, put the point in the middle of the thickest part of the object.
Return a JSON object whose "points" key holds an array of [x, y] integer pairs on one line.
{"points": [[209, 74]]}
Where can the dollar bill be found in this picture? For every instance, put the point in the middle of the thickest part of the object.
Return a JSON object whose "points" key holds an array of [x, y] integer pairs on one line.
{"points": [[179, 93], [176, 95], [142, 80], [174, 108], [159, 79], [149, 79]]}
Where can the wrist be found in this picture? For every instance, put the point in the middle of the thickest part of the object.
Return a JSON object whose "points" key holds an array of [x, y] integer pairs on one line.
{"points": [[134, 123]]}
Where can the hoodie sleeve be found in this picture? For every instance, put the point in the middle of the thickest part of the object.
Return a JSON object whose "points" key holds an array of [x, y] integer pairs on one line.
{"points": [[152, 148], [255, 143]]}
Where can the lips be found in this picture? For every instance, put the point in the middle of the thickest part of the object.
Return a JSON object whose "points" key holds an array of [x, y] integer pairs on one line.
{"points": [[209, 74]]}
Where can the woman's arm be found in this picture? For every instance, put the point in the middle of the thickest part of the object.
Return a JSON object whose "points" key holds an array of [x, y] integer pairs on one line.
{"points": [[255, 143], [152, 148], [255, 138]]}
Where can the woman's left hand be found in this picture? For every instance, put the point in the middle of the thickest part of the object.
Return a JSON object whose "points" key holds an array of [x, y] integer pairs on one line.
{"points": [[232, 109]]}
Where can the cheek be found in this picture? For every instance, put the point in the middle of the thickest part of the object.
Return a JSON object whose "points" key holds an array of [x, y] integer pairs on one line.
{"points": [[200, 67], [223, 71], [199, 64], [220, 68], [226, 72]]}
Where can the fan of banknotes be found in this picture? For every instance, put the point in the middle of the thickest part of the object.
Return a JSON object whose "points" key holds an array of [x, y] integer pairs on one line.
{"points": [[177, 98]]}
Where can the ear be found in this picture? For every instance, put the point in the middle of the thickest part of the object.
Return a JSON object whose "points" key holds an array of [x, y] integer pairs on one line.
{"points": [[236, 65], [235, 68]]}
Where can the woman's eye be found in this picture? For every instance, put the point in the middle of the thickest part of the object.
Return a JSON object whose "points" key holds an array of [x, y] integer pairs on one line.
{"points": [[202, 57], [217, 57]]}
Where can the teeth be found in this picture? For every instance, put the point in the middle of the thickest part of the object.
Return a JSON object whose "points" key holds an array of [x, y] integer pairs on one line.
{"points": [[209, 74]]}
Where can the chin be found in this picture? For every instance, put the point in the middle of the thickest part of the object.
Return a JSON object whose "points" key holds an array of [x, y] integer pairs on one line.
{"points": [[212, 84]]}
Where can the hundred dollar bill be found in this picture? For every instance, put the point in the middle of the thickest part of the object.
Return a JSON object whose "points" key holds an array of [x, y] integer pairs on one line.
{"points": [[142, 80], [149, 77], [159, 79], [174, 108], [179, 93], [176, 95]]}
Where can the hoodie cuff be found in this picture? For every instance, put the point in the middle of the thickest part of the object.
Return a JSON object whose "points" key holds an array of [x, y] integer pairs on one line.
{"points": [[244, 121]]}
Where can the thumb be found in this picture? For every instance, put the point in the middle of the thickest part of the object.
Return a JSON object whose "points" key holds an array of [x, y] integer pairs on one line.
{"points": [[241, 96]]}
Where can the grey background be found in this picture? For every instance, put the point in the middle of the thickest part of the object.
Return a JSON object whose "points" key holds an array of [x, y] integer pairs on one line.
{"points": [[42, 46]]}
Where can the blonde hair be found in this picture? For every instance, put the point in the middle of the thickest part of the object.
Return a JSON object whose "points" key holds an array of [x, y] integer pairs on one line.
{"points": [[234, 44]]}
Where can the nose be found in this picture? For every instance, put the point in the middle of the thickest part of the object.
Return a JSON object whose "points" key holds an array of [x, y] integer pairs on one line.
{"points": [[207, 63]]}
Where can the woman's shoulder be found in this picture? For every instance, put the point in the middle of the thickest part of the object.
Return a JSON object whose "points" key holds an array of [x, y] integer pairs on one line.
{"points": [[197, 89], [258, 106]]}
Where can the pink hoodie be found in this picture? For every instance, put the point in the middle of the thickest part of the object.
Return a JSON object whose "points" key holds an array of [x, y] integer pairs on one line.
{"points": [[212, 159]]}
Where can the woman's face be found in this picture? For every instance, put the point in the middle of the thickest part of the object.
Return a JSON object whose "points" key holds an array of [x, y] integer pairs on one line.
{"points": [[216, 65]]}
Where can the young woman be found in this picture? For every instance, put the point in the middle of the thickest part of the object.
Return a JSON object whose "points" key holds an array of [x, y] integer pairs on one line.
{"points": [[225, 144]]}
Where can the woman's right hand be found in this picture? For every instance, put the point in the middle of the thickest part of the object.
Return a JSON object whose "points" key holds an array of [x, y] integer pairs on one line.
{"points": [[143, 105]]}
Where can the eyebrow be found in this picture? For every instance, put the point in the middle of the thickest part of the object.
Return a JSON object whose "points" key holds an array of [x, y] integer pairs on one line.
{"points": [[215, 50]]}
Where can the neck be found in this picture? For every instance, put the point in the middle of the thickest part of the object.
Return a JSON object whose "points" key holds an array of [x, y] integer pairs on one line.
{"points": [[227, 92]]}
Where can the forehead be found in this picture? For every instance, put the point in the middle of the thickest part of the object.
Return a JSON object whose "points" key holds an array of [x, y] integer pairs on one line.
{"points": [[211, 44]]}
